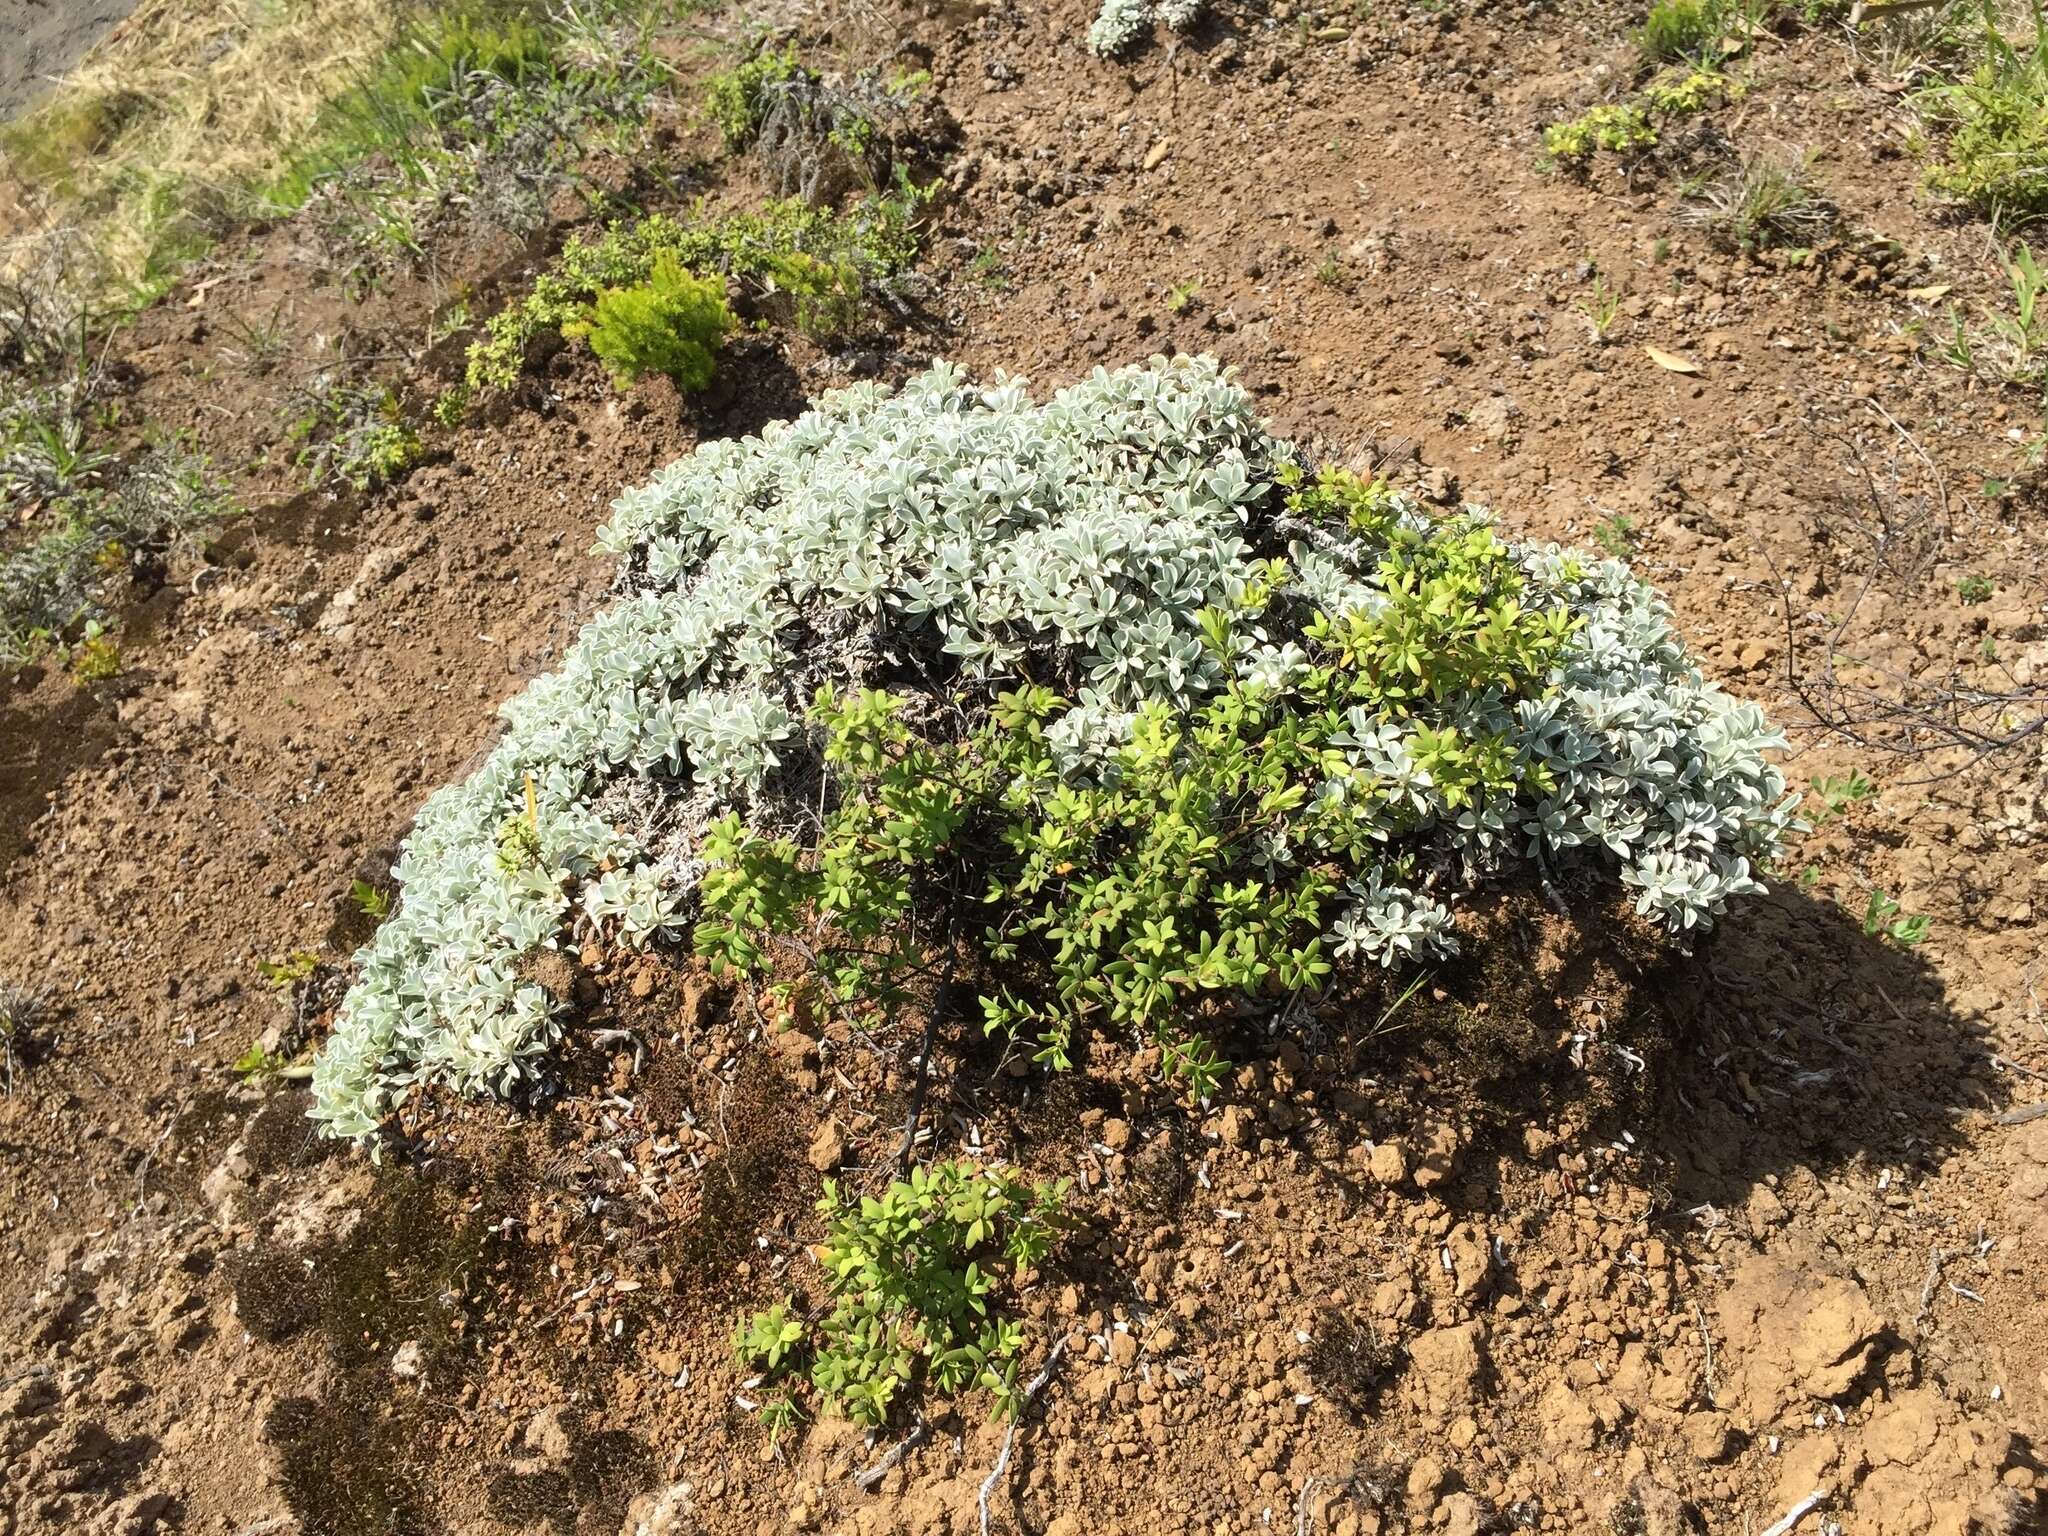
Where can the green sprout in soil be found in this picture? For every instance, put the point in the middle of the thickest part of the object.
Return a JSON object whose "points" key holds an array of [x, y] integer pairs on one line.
{"points": [[914, 1279]]}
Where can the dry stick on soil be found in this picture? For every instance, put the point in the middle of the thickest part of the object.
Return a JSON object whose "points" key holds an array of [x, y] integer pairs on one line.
{"points": [[867, 1480], [1031, 1390], [942, 1001], [1797, 1513], [2022, 1116], [1933, 1279], [1699, 1318], [1303, 1519]]}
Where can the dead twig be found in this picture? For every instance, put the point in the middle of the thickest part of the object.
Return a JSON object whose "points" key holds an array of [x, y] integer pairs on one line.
{"points": [[1798, 1512], [902, 1448], [1934, 1263], [1031, 1390]]}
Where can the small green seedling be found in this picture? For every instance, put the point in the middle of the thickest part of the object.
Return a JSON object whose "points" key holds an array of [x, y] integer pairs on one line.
{"points": [[1881, 917], [1601, 307], [1616, 535], [288, 972], [1974, 589], [1837, 795], [370, 901]]}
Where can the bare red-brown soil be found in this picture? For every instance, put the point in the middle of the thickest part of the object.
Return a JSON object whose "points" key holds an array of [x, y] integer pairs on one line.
{"points": [[1439, 1279]]}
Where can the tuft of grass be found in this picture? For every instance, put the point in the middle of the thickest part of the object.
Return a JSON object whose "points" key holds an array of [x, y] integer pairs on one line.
{"points": [[1765, 201], [1996, 123], [1681, 30], [1601, 306], [170, 122], [2004, 346]]}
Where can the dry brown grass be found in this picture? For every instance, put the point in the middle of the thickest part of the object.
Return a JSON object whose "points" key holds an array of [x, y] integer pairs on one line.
{"points": [[183, 107]]}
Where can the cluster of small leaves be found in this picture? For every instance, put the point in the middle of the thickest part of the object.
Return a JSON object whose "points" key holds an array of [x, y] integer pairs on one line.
{"points": [[672, 324], [1613, 126], [56, 584], [1087, 666], [1997, 125], [1215, 847], [1122, 23], [912, 1278], [352, 432], [821, 263], [738, 98]]}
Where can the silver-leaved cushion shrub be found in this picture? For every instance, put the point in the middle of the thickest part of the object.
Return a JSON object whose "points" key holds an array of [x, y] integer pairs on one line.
{"points": [[961, 536]]}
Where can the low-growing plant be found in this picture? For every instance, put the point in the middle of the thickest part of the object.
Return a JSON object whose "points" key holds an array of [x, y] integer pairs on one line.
{"points": [[672, 324], [1111, 700], [913, 1282], [1680, 90], [1616, 534], [354, 432], [57, 583], [1836, 795], [1974, 589], [1683, 31], [825, 264], [1121, 23], [1602, 307], [1613, 126], [23, 1015], [1996, 125], [286, 971], [2006, 346], [738, 97], [1882, 917], [373, 903]]}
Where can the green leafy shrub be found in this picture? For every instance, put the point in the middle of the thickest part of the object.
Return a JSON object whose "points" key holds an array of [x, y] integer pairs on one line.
{"points": [[1997, 124], [1110, 699], [738, 97], [1610, 126], [824, 262], [673, 324], [1678, 30], [912, 1281]]}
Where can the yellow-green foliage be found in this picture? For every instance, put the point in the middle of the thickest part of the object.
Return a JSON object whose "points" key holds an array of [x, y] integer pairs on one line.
{"points": [[1681, 89], [1997, 157], [1614, 126], [821, 261], [673, 323]]}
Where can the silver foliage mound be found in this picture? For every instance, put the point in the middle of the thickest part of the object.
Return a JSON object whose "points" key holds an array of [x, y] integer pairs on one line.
{"points": [[959, 535]]}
